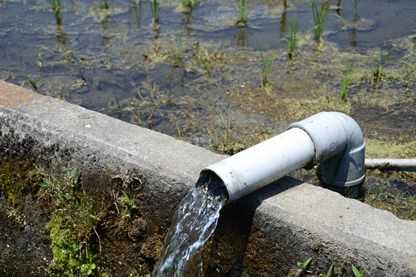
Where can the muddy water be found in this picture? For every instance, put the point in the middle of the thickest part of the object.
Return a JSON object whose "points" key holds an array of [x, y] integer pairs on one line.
{"points": [[198, 76]]}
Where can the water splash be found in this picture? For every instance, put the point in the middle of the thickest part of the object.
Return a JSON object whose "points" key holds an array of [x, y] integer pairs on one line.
{"points": [[192, 225]]}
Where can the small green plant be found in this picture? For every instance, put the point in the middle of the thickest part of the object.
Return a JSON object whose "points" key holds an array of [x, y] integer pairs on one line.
{"points": [[379, 65], [328, 274], [318, 16], [176, 49], [225, 138], [152, 103], [292, 37], [346, 81], [379, 192], [304, 267], [243, 11], [73, 226], [267, 69], [189, 4], [125, 199], [410, 71], [56, 7], [356, 272], [220, 139], [104, 4], [412, 202], [346, 78], [40, 63], [154, 8], [354, 8]]}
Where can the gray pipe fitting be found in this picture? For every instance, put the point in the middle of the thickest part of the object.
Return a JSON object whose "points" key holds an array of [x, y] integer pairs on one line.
{"points": [[339, 148]]}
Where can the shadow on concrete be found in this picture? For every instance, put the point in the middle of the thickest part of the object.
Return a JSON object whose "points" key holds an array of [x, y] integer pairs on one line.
{"points": [[227, 251]]}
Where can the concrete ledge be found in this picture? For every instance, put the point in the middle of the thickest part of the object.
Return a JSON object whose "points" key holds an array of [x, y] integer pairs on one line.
{"points": [[281, 224]]}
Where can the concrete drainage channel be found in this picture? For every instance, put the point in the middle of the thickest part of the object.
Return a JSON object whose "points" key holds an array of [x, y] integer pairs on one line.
{"points": [[266, 232]]}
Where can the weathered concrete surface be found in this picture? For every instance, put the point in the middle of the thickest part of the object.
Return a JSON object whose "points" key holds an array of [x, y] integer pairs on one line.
{"points": [[264, 233]]}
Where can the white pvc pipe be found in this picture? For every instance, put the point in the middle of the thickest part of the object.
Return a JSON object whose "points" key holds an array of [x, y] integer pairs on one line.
{"points": [[330, 138], [264, 163], [390, 163]]}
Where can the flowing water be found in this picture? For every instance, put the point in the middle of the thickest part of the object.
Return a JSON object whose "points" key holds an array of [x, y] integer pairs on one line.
{"points": [[192, 225]]}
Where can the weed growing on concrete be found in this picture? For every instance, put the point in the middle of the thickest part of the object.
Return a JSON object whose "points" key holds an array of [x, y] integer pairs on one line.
{"points": [[73, 226], [356, 272], [303, 271], [18, 178], [318, 16], [304, 267], [56, 7], [328, 274]]}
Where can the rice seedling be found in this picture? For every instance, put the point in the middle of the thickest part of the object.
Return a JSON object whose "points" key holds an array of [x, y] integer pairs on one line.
{"points": [[176, 49], [347, 78], [346, 81], [267, 69], [207, 56], [243, 11], [318, 16], [56, 7], [226, 138], [410, 72], [354, 8], [378, 66], [154, 8], [104, 4], [221, 137], [292, 40], [148, 105], [189, 4]]}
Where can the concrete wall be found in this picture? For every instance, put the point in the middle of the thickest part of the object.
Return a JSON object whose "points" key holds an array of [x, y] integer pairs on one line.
{"points": [[266, 232]]}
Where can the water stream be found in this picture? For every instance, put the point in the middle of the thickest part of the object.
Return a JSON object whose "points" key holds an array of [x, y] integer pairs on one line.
{"points": [[192, 225]]}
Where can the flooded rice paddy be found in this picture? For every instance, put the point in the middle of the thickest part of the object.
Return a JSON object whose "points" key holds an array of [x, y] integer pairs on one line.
{"points": [[206, 76]]}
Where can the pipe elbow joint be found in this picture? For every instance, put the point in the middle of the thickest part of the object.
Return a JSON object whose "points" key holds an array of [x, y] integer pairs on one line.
{"points": [[339, 147]]}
